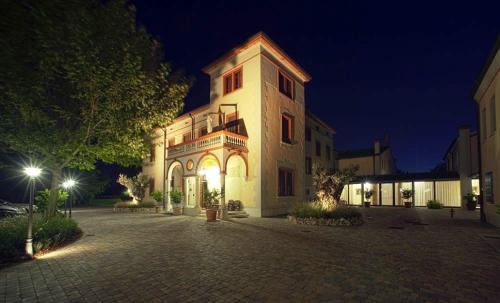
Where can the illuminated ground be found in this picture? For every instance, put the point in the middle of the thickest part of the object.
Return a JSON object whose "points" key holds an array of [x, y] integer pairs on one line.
{"points": [[154, 258]]}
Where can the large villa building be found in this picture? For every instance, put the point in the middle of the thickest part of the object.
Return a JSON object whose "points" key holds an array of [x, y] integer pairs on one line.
{"points": [[487, 97], [254, 139]]}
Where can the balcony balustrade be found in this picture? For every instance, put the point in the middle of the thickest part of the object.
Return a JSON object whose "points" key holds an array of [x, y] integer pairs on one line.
{"points": [[221, 138]]}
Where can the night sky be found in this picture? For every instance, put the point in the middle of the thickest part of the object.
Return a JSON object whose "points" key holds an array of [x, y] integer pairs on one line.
{"points": [[392, 68]]}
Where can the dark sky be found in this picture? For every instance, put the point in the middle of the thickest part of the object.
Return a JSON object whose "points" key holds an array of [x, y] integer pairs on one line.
{"points": [[377, 68]]}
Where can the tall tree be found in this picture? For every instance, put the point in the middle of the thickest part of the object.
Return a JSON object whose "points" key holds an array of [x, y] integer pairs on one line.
{"points": [[81, 81]]}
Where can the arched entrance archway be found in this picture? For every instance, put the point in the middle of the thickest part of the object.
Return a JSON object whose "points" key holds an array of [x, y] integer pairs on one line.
{"points": [[175, 174], [208, 170]]}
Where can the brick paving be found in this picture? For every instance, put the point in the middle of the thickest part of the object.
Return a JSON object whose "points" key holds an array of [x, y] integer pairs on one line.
{"points": [[414, 255]]}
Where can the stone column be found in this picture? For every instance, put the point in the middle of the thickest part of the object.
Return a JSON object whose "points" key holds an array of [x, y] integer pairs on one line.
{"points": [[223, 195]]}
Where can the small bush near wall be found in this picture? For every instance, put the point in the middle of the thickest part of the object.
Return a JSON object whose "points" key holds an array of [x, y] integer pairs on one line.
{"points": [[314, 214], [434, 204], [48, 234]]}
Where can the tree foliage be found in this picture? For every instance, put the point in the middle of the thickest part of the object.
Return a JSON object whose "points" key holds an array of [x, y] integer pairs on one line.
{"points": [[329, 184], [80, 81], [136, 186]]}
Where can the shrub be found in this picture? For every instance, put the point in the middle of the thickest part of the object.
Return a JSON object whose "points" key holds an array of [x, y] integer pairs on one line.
{"points": [[47, 234], [308, 210], [148, 204], [434, 204], [176, 197], [54, 232], [158, 196], [313, 210], [42, 199]]}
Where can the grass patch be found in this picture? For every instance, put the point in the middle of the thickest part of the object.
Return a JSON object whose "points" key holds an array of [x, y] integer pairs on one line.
{"points": [[47, 234], [103, 202]]}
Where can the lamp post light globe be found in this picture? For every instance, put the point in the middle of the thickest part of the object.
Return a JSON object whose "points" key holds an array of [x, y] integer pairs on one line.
{"points": [[32, 172], [68, 185]]}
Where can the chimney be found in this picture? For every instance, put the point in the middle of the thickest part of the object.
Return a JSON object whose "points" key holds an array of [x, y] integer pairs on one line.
{"points": [[376, 147]]}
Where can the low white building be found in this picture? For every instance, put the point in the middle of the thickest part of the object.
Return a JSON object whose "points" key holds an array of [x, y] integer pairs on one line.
{"points": [[249, 141]]}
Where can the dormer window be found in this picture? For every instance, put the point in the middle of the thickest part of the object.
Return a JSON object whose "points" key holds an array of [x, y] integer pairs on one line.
{"points": [[232, 81], [286, 85]]}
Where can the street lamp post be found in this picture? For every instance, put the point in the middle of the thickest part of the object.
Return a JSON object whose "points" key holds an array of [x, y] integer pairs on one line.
{"points": [[32, 173], [68, 184]]}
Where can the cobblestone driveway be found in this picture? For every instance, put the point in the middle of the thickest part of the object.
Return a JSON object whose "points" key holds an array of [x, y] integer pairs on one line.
{"points": [[155, 258]]}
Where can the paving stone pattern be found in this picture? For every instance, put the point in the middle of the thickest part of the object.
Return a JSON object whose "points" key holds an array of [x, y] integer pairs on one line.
{"points": [[398, 255]]}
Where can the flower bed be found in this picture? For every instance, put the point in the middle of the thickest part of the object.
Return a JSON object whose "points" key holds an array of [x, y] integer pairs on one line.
{"points": [[133, 207], [312, 214], [48, 234]]}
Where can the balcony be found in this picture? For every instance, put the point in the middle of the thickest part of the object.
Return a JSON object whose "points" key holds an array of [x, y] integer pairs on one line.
{"points": [[222, 138]]}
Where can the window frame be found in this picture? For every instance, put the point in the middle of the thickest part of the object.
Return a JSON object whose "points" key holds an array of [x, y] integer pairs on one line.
{"points": [[289, 185], [318, 149], [231, 74], [292, 84], [291, 126], [234, 116], [204, 128], [328, 152], [489, 193], [184, 137], [308, 166]]}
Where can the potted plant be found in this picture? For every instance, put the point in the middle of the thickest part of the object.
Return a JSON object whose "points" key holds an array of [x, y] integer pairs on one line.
{"points": [[407, 194], [211, 198], [176, 200], [471, 201], [158, 197], [368, 196]]}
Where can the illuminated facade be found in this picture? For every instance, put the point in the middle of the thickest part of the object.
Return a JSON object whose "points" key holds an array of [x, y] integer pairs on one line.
{"points": [[487, 97], [370, 162], [462, 158], [249, 140]]}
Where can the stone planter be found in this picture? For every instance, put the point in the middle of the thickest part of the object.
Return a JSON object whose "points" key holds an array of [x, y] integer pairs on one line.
{"points": [[367, 204], [326, 221], [408, 204], [137, 209]]}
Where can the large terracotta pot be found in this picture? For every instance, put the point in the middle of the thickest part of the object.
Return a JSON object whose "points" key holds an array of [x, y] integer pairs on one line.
{"points": [[177, 210], [471, 205], [211, 214], [408, 204]]}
